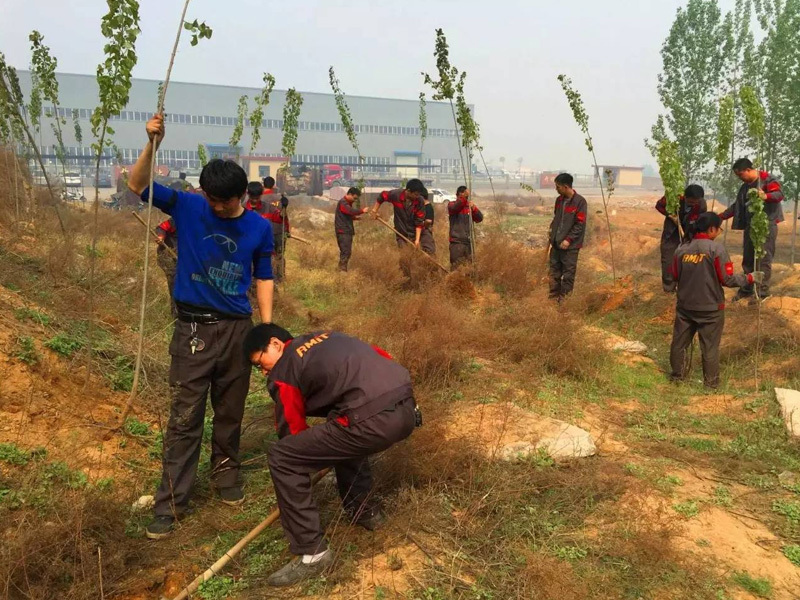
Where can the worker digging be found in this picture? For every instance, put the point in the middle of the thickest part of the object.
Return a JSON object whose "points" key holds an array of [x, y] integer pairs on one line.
{"points": [[368, 402]]}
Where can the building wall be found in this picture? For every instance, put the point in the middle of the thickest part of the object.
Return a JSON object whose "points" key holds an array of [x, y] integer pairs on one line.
{"points": [[206, 114], [630, 177]]}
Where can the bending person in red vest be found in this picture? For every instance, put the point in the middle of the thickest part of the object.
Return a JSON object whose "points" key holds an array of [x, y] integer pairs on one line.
{"points": [[369, 404], [769, 188]]}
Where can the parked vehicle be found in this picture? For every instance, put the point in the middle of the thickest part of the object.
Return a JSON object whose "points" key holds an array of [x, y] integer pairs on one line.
{"points": [[438, 196], [72, 179]]}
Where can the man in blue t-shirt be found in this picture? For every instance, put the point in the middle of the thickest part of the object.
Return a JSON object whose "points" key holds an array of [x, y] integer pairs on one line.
{"points": [[223, 247]]}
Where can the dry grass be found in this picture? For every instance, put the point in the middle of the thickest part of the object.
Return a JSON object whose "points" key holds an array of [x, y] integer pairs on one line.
{"points": [[532, 529]]}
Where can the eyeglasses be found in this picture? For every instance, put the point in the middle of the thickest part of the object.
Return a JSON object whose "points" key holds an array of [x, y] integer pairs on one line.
{"points": [[257, 363]]}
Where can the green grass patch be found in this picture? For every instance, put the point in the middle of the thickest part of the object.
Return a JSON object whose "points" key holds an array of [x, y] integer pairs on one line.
{"points": [[687, 509], [65, 344], [570, 553], [789, 509], [755, 585], [723, 497], [793, 554], [29, 314], [136, 427], [13, 454], [121, 374], [217, 588], [25, 350]]}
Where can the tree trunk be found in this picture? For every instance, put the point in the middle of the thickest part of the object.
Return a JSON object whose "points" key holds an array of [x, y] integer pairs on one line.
{"points": [[608, 219], [794, 229], [93, 252]]}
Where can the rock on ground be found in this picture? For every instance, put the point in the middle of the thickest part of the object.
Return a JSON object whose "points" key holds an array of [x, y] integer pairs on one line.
{"points": [[508, 432], [144, 503], [630, 346], [789, 401]]}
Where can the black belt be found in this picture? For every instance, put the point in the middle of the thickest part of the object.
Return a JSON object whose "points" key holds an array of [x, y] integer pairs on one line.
{"points": [[202, 318]]}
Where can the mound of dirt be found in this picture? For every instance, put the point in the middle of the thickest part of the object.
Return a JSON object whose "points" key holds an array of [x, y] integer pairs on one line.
{"points": [[49, 404], [788, 308]]}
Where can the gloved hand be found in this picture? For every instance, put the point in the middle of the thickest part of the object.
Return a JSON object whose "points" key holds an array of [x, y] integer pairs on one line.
{"points": [[284, 201], [758, 276]]}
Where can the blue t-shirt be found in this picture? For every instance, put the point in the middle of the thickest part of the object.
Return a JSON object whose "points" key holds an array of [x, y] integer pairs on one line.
{"points": [[218, 257]]}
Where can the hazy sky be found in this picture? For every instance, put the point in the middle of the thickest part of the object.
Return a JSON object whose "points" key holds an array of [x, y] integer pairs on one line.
{"points": [[512, 51]]}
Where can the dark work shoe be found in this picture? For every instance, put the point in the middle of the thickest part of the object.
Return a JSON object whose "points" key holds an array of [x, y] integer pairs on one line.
{"points": [[232, 496], [160, 527], [369, 518], [740, 296], [296, 571]]}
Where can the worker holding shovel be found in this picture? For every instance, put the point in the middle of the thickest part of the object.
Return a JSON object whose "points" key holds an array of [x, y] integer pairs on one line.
{"points": [[343, 224], [409, 211], [369, 404]]}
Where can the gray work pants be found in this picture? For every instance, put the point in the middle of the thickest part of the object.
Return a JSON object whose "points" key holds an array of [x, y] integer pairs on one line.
{"points": [[222, 369], [708, 325]]}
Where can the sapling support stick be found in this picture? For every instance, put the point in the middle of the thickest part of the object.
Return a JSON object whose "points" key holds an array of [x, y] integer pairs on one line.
{"points": [[759, 230], [217, 567], [412, 244], [142, 309], [155, 235], [299, 239]]}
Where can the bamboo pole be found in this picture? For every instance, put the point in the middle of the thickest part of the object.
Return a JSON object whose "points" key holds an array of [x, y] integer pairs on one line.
{"points": [[155, 235], [230, 554], [413, 245]]}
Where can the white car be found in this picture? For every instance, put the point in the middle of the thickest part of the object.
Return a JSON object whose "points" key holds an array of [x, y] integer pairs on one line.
{"points": [[438, 196], [72, 179]]}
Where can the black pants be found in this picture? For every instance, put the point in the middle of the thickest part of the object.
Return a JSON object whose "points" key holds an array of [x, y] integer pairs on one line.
{"points": [[563, 266], [426, 242], [222, 369], [460, 253], [668, 248], [294, 458], [345, 242], [764, 264], [708, 325]]}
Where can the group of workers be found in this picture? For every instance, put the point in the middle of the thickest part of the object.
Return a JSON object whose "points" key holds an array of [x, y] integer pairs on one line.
{"points": [[413, 223], [227, 247], [696, 267]]}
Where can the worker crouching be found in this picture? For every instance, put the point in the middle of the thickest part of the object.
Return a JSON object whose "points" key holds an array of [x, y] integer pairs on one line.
{"points": [[368, 401]]}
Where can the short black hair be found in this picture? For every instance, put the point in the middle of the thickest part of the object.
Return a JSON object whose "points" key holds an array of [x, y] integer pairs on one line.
{"points": [[223, 179], [742, 164], [354, 191], [564, 179], [181, 175], [461, 189], [269, 182], [424, 193], [706, 221], [254, 188], [694, 191], [415, 185], [259, 336]]}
